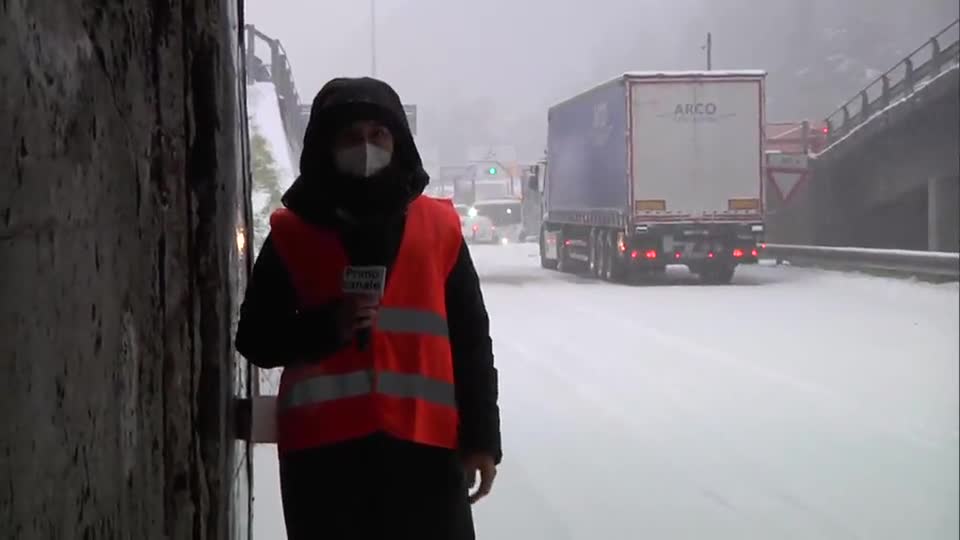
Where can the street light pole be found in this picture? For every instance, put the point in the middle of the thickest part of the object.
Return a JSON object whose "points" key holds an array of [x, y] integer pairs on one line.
{"points": [[709, 51], [373, 38]]}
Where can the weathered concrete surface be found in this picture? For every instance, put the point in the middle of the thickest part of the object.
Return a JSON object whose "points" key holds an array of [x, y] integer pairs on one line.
{"points": [[871, 190], [120, 196], [943, 214]]}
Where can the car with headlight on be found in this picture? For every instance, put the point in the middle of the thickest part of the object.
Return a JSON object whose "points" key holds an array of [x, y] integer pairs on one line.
{"points": [[475, 227], [505, 215]]}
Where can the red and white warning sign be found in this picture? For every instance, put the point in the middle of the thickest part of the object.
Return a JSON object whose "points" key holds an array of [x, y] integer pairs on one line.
{"points": [[786, 172]]}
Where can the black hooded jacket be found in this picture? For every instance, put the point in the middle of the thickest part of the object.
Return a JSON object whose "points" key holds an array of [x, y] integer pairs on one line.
{"points": [[369, 217]]}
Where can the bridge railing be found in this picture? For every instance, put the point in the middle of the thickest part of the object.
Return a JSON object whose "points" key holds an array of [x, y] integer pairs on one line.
{"points": [[901, 80]]}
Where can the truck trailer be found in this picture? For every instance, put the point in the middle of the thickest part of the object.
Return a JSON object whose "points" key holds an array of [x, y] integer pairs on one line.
{"points": [[656, 168]]}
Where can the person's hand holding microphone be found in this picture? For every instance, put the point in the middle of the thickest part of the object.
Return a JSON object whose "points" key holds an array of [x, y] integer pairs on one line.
{"points": [[362, 289]]}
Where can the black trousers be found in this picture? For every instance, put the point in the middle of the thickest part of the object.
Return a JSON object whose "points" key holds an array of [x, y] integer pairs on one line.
{"points": [[376, 487]]}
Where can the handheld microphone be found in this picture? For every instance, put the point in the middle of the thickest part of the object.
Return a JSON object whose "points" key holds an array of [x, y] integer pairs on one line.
{"points": [[364, 281]]}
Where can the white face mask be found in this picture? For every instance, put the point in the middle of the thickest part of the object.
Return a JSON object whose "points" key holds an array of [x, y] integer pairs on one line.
{"points": [[363, 160]]}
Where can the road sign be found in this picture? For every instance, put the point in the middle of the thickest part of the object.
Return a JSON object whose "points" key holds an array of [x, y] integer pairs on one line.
{"points": [[786, 172], [411, 112]]}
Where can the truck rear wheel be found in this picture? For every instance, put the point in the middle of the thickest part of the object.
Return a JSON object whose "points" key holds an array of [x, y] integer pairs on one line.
{"points": [[563, 262], [595, 252], [717, 274], [602, 258], [647, 275], [544, 261], [611, 270]]}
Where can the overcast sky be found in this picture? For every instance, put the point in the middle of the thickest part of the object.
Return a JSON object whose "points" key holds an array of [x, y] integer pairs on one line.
{"points": [[488, 69]]}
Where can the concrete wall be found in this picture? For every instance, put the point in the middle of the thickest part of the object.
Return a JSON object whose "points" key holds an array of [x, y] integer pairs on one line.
{"points": [[943, 214], [872, 189], [121, 192]]}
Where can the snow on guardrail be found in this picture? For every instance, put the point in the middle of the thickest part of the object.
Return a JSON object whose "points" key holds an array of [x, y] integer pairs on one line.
{"points": [[898, 261], [266, 120]]}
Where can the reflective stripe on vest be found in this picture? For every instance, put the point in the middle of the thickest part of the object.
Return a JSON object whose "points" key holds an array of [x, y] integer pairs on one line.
{"points": [[411, 321], [324, 388]]}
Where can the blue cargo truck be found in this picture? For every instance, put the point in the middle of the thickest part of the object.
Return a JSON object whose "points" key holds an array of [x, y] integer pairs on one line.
{"points": [[656, 168]]}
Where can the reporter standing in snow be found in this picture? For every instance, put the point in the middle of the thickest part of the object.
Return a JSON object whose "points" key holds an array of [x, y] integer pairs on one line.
{"points": [[387, 409]]}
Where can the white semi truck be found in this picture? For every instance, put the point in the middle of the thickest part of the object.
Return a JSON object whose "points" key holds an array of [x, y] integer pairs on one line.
{"points": [[656, 168]]}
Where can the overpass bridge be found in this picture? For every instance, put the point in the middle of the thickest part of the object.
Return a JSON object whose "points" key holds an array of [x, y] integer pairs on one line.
{"points": [[888, 175]]}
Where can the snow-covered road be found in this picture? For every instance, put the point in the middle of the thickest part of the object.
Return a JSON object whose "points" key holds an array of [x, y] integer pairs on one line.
{"points": [[793, 404]]}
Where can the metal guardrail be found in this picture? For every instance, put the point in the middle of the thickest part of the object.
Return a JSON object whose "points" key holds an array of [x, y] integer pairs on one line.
{"points": [[892, 261], [279, 72], [899, 81]]}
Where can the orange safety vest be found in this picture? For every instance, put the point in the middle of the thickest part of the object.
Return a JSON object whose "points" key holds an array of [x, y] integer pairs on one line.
{"points": [[402, 382]]}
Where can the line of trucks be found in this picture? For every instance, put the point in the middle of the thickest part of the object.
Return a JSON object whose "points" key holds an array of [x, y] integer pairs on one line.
{"points": [[643, 171]]}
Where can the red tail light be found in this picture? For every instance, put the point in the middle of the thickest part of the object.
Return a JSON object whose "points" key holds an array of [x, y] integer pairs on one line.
{"points": [[754, 253], [738, 253], [634, 254], [567, 242], [677, 255], [763, 246], [651, 254], [710, 255]]}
